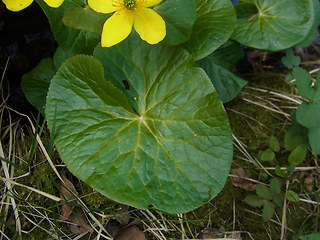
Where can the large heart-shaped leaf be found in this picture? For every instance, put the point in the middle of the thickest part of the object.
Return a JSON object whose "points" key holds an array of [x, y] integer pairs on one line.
{"points": [[274, 24], [213, 27], [173, 150]]}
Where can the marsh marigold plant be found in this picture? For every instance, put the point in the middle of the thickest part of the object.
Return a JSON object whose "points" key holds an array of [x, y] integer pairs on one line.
{"points": [[18, 5], [148, 24]]}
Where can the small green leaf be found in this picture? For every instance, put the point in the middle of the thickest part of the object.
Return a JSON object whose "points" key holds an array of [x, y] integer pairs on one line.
{"points": [[263, 176], [263, 192], [291, 141], [275, 185], [290, 60], [254, 200], [290, 169], [35, 83], [84, 18], [292, 196], [278, 199], [289, 77], [315, 236], [266, 155], [314, 136], [280, 172], [267, 211], [274, 144], [298, 155], [213, 27], [308, 114], [179, 16], [304, 81]]}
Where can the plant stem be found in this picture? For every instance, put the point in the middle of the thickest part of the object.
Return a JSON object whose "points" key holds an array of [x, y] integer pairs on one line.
{"points": [[79, 3]]}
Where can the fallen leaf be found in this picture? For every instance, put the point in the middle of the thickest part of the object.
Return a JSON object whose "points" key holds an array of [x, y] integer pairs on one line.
{"points": [[217, 234], [130, 233], [124, 215], [308, 181], [239, 180], [113, 227], [80, 222], [67, 193], [207, 233]]}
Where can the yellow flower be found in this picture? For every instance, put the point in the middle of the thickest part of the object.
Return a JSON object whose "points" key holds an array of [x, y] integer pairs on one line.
{"points": [[148, 24], [18, 5]]}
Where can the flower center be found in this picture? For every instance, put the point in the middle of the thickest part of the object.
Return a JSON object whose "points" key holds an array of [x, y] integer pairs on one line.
{"points": [[129, 4]]}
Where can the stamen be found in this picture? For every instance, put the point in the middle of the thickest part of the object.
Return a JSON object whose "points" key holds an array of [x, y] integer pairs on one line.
{"points": [[129, 4], [116, 3]]}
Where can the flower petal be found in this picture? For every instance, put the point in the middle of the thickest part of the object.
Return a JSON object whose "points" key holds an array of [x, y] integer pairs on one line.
{"points": [[17, 5], [103, 6], [149, 3], [116, 28], [149, 25], [54, 3]]}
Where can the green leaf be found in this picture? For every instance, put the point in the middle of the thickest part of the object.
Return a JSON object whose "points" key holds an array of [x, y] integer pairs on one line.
{"points": [[289, 77], [292, 196], [267, 211], [84, 18], [263, 192], [298, 155], [213, 27], [315, 236], [273, 25], [290, 169], [278, 199], [314, 136], [72, 41], [179, 16], [229, 54], [173, 150], [266, 155], [304, 81], [308, 114], [280, 172], [274, 144], [290, 60], [35, 83], [313, 33], [291, 141], [227, 84], [254, 200], [60, 56], [275, 185]]}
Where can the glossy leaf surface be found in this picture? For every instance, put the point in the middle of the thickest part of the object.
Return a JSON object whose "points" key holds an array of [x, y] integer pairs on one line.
{"points": [[84, 18], [274, 24], [179, 16], [213, 27], [171, 149], [35, 83], [73, 41]]}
